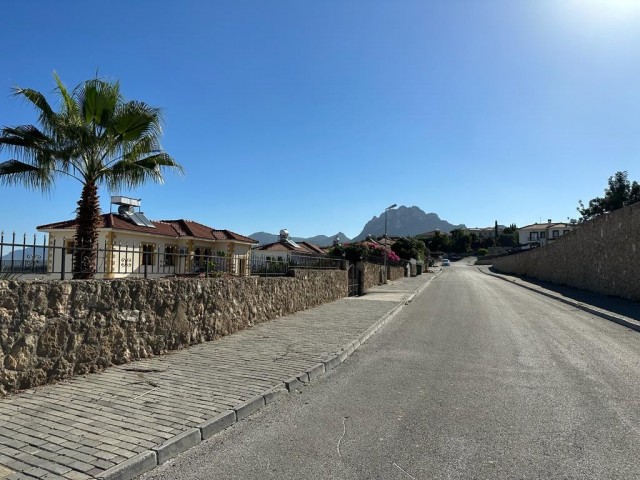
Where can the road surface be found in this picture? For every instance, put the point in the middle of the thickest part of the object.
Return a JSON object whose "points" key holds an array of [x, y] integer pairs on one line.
{"points": [[475, 379]]}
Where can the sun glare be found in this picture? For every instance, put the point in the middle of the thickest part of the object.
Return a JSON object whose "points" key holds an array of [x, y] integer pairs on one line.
{"points": [[606, 11]]}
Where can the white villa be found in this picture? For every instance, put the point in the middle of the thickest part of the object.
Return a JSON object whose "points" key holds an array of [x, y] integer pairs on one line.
{"points": [[282, 250], [129, 243], [543, 233]]}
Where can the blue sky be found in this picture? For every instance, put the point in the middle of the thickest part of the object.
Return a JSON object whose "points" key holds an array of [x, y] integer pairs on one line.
{"points": [[315, 116]]}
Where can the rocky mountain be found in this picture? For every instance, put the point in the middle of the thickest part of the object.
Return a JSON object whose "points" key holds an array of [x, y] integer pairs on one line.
{"points": [[401, 222], [405, 222]]}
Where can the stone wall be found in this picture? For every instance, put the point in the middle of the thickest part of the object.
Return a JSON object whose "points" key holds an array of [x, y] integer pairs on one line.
{"points": [[396, 273], [51, 330], [602, 255], [372, 275]]}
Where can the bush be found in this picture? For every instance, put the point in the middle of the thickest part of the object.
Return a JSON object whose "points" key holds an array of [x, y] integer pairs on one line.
{"points": [[482, 252]]}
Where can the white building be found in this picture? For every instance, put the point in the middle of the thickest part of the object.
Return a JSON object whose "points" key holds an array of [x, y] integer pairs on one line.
{"points": [[543, 233], [129, 243]]}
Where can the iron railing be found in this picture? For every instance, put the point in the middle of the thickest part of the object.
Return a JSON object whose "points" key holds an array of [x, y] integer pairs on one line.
{"points": [[63, 260]]}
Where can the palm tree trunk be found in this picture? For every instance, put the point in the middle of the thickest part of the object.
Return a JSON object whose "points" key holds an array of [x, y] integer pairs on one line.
{"points": [[86, 239]]}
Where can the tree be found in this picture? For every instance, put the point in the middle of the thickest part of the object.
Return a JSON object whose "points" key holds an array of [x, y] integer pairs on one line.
{"points": [[619, 193], [509, 236], [97, 138], [460, 241], [408, 248], [438, 243]]}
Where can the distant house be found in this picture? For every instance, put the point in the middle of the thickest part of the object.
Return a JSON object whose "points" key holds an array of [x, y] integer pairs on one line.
{"points": [[484, 232], [543, 233], [432, 234], [129, 243], [282, 250]]}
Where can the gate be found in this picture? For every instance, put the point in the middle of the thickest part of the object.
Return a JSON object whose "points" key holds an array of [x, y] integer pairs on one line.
{"points": [[354, 280]]}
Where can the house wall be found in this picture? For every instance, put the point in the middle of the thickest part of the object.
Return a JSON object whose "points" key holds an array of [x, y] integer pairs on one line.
{"points": [[523, 235], [126, 257], [275, 255], [53, 330], [601, 255]]}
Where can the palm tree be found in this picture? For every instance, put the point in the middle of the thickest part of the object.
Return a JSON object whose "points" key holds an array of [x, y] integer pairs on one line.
{"points": [[97, 138]]}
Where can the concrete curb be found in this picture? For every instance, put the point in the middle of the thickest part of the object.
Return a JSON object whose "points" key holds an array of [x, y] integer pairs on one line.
{"points": [[273, 393], [249, 407], [141, 463], [178, 444], [150, 459], [217, 424], [620, 320]]}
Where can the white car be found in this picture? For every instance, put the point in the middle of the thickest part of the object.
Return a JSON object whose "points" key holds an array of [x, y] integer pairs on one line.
{"points": [[446, 262]]}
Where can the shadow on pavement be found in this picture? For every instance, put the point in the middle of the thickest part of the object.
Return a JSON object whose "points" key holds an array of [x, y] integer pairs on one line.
{"points": [[620, 306]]}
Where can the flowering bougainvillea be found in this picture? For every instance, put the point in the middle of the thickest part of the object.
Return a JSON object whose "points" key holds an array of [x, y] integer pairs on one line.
{"points": [[356, 252]]}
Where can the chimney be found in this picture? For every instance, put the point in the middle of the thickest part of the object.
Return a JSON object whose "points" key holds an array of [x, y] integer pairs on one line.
{"points": [[549, 220]]}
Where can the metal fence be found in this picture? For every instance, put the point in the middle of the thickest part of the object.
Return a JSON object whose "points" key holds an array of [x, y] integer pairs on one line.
{"points": [[22, 258], [271, 267], [17, 256]]}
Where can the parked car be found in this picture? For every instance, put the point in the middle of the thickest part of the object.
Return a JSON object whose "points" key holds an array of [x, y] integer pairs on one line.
{"points": [[446, 262]]}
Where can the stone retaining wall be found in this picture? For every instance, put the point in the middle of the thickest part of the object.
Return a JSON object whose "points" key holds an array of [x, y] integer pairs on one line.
{"points": [[601, 255], [372, 274], [52, 330], [396, 273]]}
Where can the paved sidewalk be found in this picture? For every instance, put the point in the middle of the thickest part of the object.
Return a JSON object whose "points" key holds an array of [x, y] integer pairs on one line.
{"points": [[122, 422]]}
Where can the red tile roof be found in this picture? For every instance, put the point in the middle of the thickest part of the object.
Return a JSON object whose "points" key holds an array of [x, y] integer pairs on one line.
{"points": [[167, 228], [303, 247]]}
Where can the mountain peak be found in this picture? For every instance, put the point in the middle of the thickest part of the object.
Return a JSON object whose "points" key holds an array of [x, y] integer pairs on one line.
{"points": [[401, 222], [405, 222]]}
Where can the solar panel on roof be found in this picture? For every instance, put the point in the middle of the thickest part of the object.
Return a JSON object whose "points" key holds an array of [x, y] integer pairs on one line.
{"points": [[139, 219], [292, 243]]}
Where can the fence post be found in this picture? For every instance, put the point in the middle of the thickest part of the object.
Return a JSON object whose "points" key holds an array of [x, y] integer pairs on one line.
{"points": [[64, 258]]}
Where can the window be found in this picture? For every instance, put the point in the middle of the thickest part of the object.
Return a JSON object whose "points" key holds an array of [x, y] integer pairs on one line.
{"points": [[170, 254], [201, 257], [147, 254], [555, 233], [543, 234], [533, 236], [68, 247]]}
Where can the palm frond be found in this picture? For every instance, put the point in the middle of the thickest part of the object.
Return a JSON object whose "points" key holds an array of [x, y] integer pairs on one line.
{"points": [[70, 105], [27, 142], [98, 100], [136, 120], [14, 172], [46, 115], [131, 173]]}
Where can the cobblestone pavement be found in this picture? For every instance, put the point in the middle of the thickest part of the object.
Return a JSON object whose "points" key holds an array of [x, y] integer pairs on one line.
{"points": [[80, 428]]}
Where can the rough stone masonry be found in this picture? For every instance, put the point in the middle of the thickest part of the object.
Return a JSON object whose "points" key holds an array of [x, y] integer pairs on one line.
{"points": [[51, 330]]}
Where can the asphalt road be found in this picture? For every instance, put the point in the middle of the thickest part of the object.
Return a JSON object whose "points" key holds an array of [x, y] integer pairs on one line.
{"points": [[476, 378]]}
